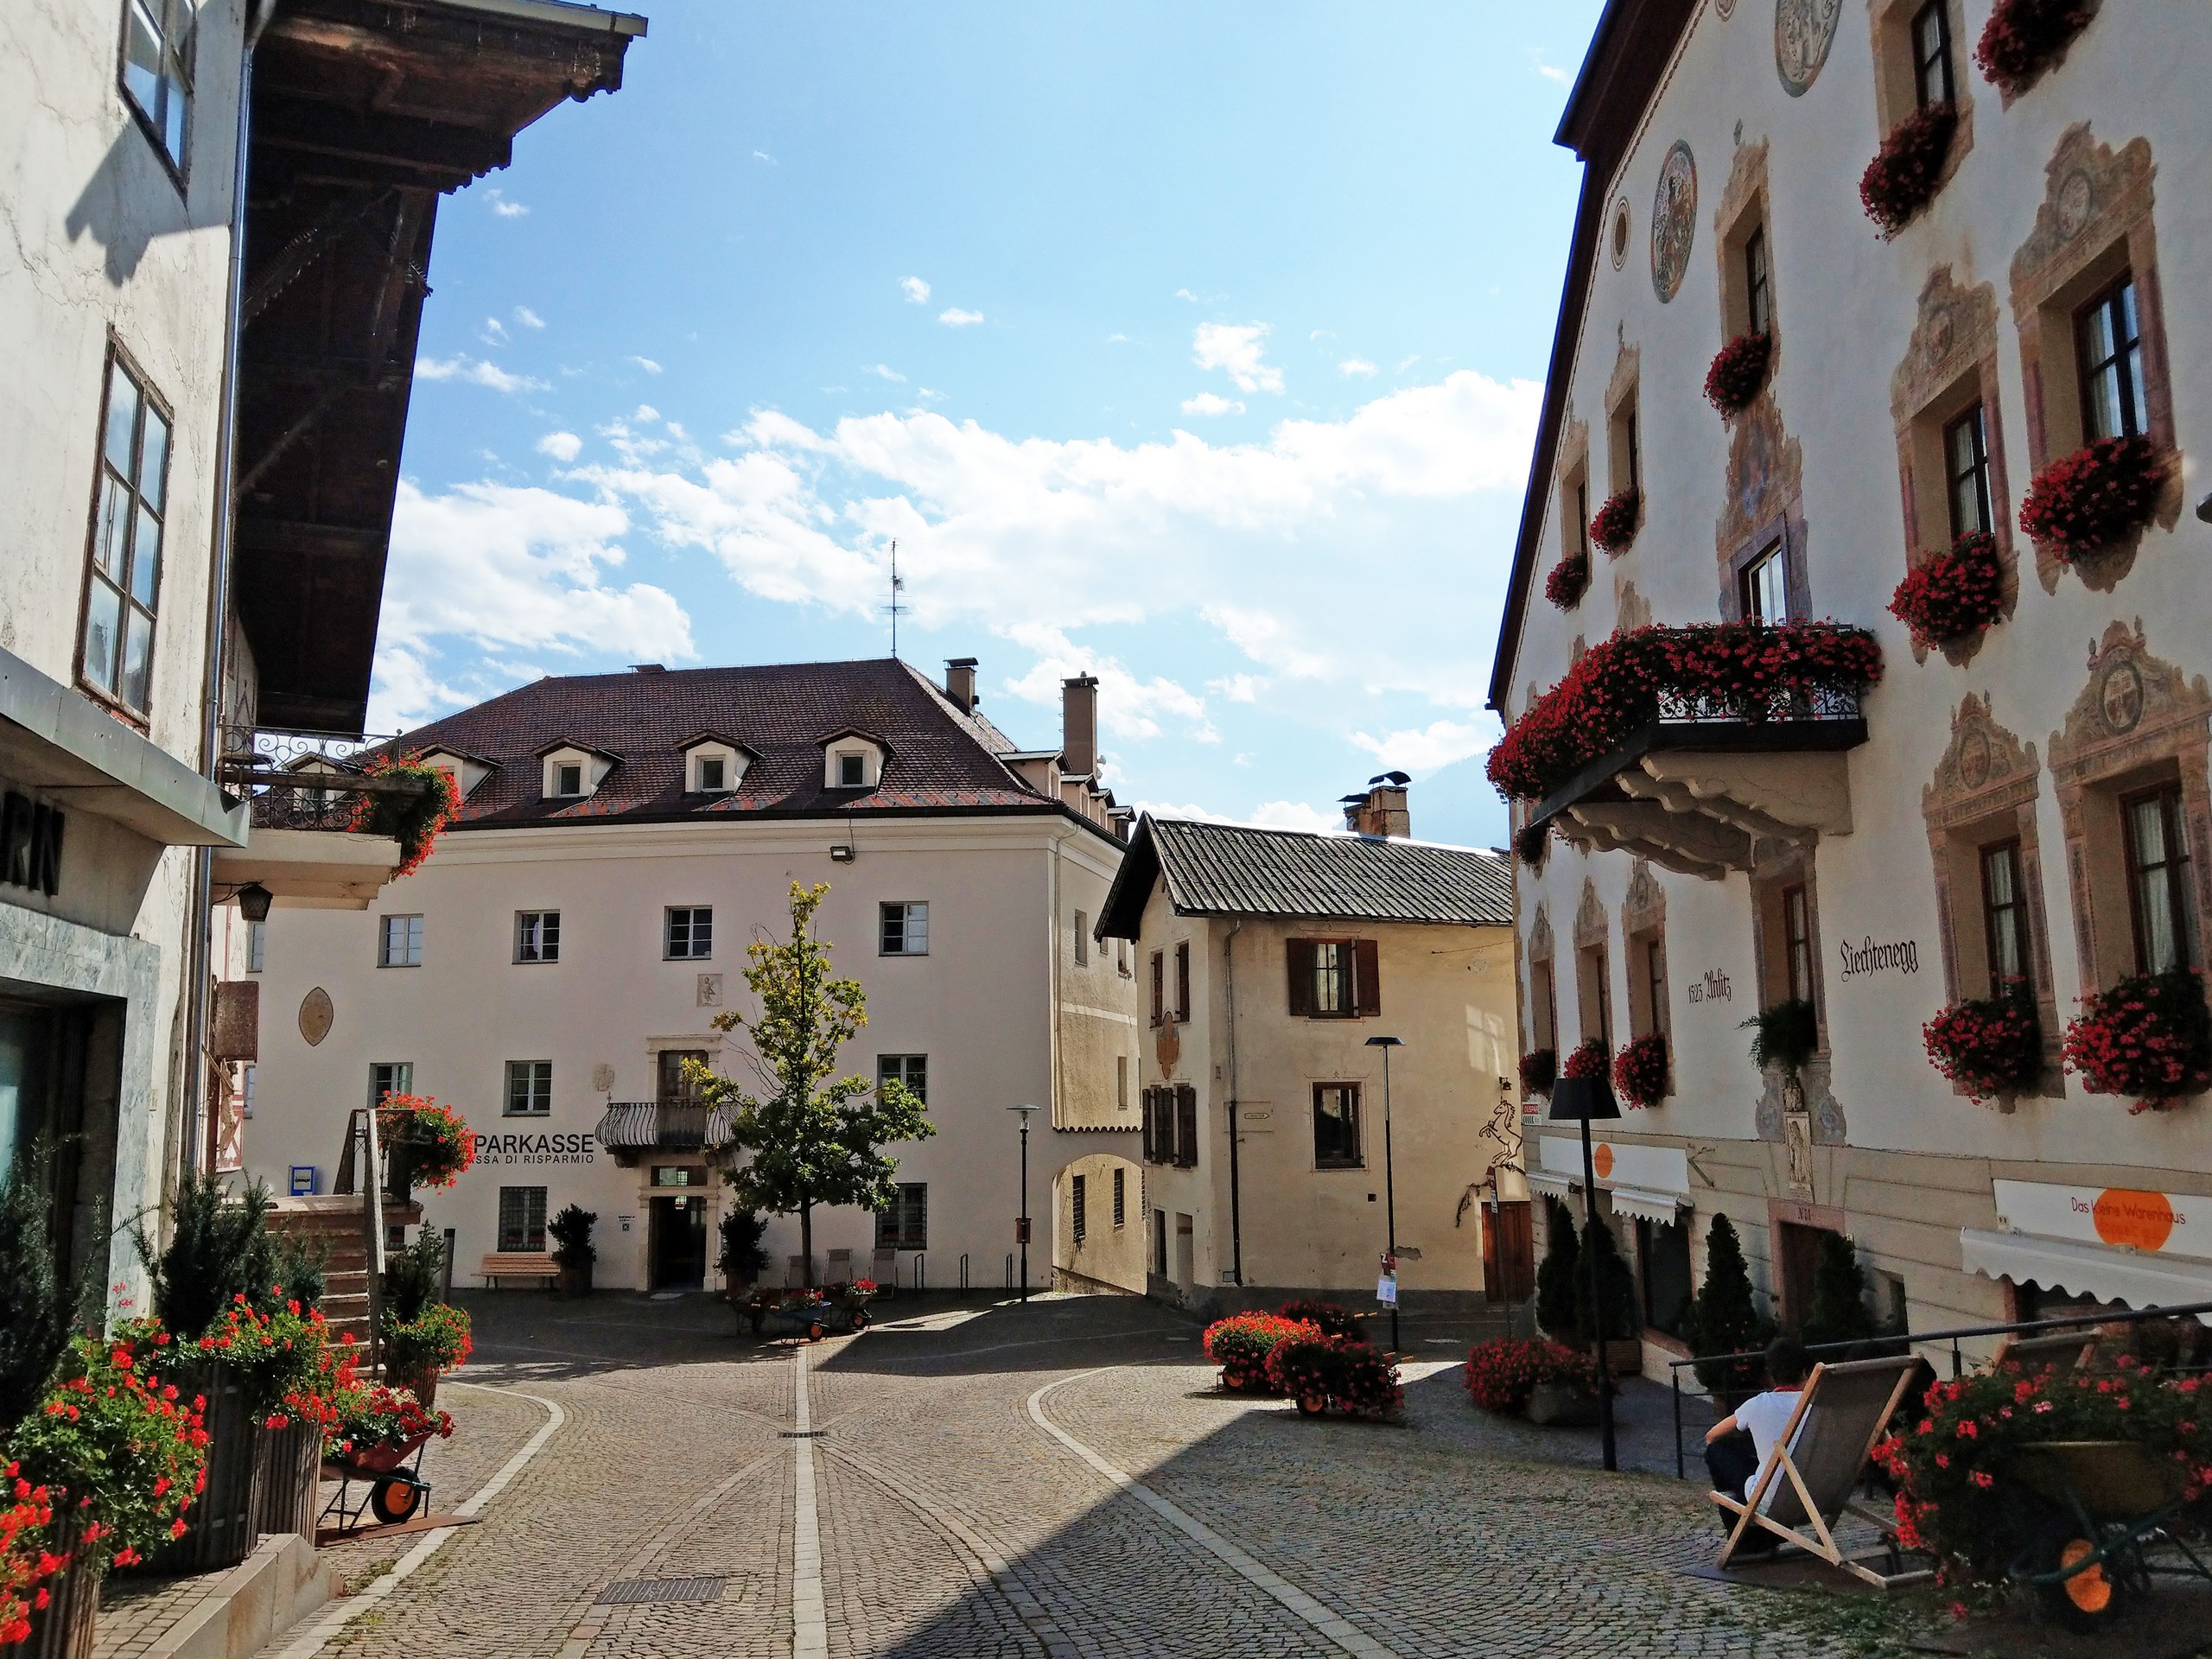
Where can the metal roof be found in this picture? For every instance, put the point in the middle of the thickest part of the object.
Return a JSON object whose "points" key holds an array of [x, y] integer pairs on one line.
{"points": [[1228, 870]]}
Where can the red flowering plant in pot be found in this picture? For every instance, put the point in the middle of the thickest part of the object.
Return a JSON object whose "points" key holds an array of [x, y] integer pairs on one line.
{"points": [[1568, 581], [2101, 494], [1533, 844], [376, 1427], [1614, 525], [1240, 1345], [1539, 1071], [414, 820], [1953, 595], [1333, 1319], [1738, 371], [1904, 175], [1589, 1059], [28, 1560], [1640, 1071], [436, 1143], [1990, 1047], [2149, 1036], [2024, 37], [1502, 1373]]}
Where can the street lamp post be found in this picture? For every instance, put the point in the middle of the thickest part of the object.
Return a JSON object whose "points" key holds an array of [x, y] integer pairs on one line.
{"points": [[1389, 1186], [1021, 1226], [1583, 1099]]}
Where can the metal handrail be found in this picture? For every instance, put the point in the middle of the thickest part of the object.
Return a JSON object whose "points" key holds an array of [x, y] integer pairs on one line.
{"points": [[1905, 1338]]}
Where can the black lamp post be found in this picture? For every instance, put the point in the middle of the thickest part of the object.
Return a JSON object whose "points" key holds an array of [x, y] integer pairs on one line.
{"points": [[1021, 1227], [1389, 1187], [1583, 1100]]}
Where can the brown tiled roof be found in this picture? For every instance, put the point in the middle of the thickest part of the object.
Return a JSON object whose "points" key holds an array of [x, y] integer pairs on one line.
{"points": [[1233, 869], [940, 758]]}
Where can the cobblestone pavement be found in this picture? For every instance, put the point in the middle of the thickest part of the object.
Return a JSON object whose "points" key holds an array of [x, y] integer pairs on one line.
{"points": [[1061, 1479]]}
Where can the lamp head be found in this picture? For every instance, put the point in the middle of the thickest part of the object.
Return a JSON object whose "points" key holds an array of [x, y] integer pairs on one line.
{"points": [[1024, 1111], [1386, 1042], [253, 902], [1578, 1099]]}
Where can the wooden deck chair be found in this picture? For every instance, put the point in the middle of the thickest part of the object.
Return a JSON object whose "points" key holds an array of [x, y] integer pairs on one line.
{"points": [[795, 1276], [884, 1269], [2059, 1354], [841, 1268], [1804, 1487]]}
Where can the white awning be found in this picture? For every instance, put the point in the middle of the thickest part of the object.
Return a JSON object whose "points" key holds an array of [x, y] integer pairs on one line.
{"points": [[1646, 1207], [1551, 1185], [2110, 1275]]}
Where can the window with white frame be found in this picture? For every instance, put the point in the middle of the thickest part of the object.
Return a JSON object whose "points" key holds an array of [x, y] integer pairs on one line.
{"points": [[904, 1224], [690, 932], [256, 946], [906, 931], [913, 1070], [537, 936], [158, 41], [116, 647], [1081, 938], [530, 1088], [391, 1077], [399, 942]]}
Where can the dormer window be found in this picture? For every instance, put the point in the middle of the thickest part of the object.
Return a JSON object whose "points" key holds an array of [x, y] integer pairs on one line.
{"points": [[568, 778], [572, 771], [852, 772], [852, 759], [712, 768], [714, 765]]}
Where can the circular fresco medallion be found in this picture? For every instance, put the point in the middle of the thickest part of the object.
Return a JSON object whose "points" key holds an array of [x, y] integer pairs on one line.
{"points": [[2120, 698], [1803, 31], [315, 1016], [1674, 220], [1620, 232], [2078, 199], [1974, 760]]}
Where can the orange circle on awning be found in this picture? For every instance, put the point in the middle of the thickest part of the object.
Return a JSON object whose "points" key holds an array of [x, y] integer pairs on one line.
{"points": [[2142, 1220], [1603, 1159]]}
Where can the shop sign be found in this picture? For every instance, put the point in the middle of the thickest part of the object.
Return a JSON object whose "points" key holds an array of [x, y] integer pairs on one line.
{"points": [[580, 1147], [2168, 1224], [31, 843], [1621, 1163]]}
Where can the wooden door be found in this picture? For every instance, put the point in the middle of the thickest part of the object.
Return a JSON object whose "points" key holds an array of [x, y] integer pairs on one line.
{"points": [[1508, 1253]]}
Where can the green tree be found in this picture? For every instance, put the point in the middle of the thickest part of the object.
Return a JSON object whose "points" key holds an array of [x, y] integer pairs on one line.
{"points": [[40, 1306], [216, 1249], [814, 1137], [1555, 1296], [1840, 1313], [1615, 1283], [1723, 1318]]}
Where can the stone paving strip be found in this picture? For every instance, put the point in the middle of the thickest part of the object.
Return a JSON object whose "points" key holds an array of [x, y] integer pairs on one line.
{"points": [[810, 1624]]}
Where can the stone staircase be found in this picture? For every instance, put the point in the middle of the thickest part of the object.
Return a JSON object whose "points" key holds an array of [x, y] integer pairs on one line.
{"points": [[334, 1220]]}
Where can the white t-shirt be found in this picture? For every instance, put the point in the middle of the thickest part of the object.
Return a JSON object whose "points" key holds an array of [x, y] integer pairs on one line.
{"points": [[1764, 1416]]}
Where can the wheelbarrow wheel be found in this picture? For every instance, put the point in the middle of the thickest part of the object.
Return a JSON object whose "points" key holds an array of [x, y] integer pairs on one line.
{"points": [[860, 1318], [394, 1500], [814, 1332], [2085, 1601], [1312, 1405]]}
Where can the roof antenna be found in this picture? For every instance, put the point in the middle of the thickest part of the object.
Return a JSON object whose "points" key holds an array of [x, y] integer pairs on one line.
{"points": [[897, 608]]}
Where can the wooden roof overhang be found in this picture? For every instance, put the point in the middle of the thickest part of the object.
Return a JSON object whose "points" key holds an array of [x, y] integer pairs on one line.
{"points": [[363, 112]]}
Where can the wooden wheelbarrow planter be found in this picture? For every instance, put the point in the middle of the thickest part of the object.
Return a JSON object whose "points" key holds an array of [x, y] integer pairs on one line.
{"points": [[392, 1487], [800, 1316], [2105, 1504]]}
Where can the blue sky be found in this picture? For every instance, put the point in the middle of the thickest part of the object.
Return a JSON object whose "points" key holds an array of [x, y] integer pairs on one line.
{"points": [[1198, 347]]}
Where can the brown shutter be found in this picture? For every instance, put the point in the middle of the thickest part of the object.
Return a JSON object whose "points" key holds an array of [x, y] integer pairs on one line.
{"points": [[1183, 981], [1159, 986], [1144, 1100], [1187, 1125], [1299, 953], [1367, 975]]}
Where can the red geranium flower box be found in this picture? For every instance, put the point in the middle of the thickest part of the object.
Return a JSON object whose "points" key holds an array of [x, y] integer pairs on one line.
{"points": [[1614, 526], [1903, 177], [1539, 1070], [1588, 1060], [2149, 1036], [1953, 595], [1738, 371], [1568, 581], [2022, 37], [1640, 1071], [2094, 497], [1989, 1047]]}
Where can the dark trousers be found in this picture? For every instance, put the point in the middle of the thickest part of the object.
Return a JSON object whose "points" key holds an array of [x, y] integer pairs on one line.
{"points": [[1733, 1463]]}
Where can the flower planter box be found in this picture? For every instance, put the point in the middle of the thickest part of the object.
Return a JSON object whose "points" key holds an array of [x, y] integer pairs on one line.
{"points": [[569, 1281], [218, 1527], [63, 1629], [286, 1464], [1561, 1405], [422, 1385]]}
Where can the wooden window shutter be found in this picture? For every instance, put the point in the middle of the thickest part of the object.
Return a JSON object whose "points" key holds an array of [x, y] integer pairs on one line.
{"points": [[1183, 981], [1299, 953], [1159, 986], [1367, 975], [1187, 1125], [1145, 1101]]}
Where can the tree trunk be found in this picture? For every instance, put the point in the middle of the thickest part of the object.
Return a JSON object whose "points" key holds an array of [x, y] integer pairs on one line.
{"points": [[806, 1237]]}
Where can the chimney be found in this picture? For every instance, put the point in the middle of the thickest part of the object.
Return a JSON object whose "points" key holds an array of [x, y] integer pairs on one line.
{"points": [[1382, 809], [960, 682], [1079, 726]]}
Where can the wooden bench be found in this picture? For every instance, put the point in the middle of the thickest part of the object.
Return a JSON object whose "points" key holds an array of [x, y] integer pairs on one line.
{"points": [[516, 1264]]}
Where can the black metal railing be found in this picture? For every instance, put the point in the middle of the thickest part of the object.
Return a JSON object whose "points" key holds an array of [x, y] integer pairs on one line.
{"points": [[1901, 1342], [1817, 702]]}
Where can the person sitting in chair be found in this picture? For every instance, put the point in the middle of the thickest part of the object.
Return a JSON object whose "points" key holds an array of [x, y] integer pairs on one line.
{"points": [[1737, 1447]]}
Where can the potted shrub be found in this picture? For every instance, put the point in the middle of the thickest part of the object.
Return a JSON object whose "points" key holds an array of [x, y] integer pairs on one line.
{"points": [[1904, 175], [1954, 594], [2023, 38], [1539, 1071], [1568, 581], [1555, 1274], [1240, 1345], [1990, 1047], [430, 1144], [412, 819], [121, 1458], [1617, 1284], [1785, 1037], [2149, 1036], [2102, 493], [1839, 1312], [742, 1260], [1532, 843], [1738, 372], [1723, 1319], [574, 1252], [1640, 1071], [39, 1308], [1330, 1318], [1613, 526]]}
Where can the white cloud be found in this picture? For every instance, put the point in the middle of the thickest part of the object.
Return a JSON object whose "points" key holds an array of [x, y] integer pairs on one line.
{"points": [[528, 318], [493, 332], [955, 318], [646, 412], [506, 568], [918, 291], [1238, 688], [763, 156], [644, 363], [1438, 744], [1128, 707], [475, 372], [1207, 403], [1117, 340], [1552, 72], [886, 371], [1237, 349], [1186, 293], [563, 447], [501, 206], [1405, 363], [1358, 366]]}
